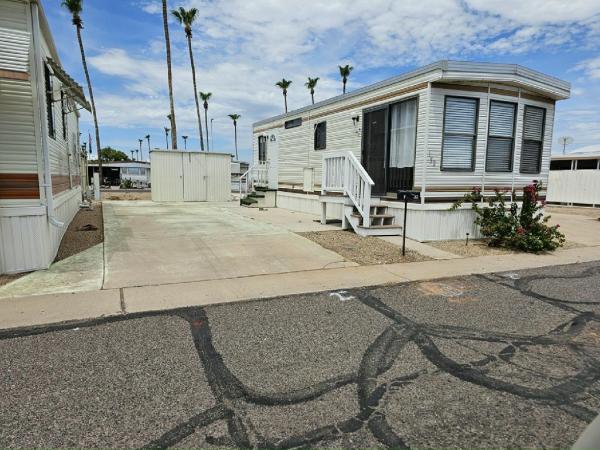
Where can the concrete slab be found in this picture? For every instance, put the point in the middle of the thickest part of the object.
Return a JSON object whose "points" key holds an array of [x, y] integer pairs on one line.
{"points": [[297, 222], [51, 308], [80, 272], [154, 298], [152, 243], [582, 229]]}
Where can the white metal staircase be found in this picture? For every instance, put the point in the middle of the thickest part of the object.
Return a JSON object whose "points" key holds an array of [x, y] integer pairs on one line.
{"points": [[254, 187], [345, 181]]}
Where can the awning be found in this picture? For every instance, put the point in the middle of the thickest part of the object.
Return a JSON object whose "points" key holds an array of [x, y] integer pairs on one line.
{"points": [[74, 90]]}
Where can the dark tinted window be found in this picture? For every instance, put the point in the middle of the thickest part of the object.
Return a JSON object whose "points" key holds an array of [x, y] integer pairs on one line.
{"points": [[293, 123], [49, 101], [460, 133], [560, 164], [321, 136], [533, 136], [500, 137], [587, 164], [262, 148]]}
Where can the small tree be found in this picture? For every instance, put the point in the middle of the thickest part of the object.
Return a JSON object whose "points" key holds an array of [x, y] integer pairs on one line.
{"points": [[526, 229], [112, 154]]}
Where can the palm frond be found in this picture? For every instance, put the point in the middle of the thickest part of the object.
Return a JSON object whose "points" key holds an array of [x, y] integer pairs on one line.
{"points": [[311, 83], [345, 70], [283, 84], [234, 117], [205, 96], [74, 6]]}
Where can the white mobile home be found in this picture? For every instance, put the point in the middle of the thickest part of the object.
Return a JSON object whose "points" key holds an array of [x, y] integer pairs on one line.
{"points": [[114, 173], [439, 130], [40, 157], [574, 179]]}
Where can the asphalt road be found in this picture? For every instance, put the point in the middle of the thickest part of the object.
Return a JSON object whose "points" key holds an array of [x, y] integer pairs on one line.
{"points": [[504, 360]]}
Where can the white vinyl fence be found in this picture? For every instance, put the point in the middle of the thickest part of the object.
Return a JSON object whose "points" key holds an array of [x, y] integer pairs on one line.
{"points": [[180, 176], [574, 186]]}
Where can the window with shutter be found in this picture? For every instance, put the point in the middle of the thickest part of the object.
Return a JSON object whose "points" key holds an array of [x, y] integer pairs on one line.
{"points": [[501, 140], [460, 133], [533, 136], [321, 136]]}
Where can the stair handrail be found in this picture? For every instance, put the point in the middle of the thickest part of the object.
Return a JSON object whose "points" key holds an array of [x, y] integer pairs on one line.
{"points": [[262, 171], [343, 172]]}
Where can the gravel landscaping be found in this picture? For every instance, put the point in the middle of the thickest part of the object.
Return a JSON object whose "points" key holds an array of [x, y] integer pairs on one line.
{"points": [[476, 247], [362, 250], [85, 231]]}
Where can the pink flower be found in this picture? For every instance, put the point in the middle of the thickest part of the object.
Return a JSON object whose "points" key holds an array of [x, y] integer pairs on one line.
{"points": [[520, 230], [557, 225]]}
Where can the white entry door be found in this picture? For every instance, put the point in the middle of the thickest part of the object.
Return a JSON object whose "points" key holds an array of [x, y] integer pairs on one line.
{"points": [[273, 159]]}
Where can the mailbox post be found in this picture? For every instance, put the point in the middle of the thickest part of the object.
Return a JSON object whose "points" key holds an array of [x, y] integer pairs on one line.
{"points": [[407, 196]]}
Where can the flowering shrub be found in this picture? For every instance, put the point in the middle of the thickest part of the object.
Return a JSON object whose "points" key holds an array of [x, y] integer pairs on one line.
{"points": [[505, 226]]}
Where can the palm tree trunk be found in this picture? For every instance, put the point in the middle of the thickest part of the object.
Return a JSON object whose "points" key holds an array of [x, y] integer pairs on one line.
{"points": [[344, 86], [235, 138], [169, 75], [189, 39], [206, 127], [93, 103], [312, 96], [285, 101], [148, 148]]}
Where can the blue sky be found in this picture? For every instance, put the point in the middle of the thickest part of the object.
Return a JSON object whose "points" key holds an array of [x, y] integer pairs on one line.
{"points": [[243, 47]]}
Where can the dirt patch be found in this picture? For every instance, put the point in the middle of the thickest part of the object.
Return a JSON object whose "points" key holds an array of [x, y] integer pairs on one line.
{"points": [[476, 247], [85, 231], [7, 278], [479, 247], [126, 195], [589, 212], [362, 250]]}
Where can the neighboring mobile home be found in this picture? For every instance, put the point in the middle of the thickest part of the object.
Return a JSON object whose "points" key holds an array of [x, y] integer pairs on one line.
{"points": [[440, 130], [40, 158], [574, 179], [114, 173]]}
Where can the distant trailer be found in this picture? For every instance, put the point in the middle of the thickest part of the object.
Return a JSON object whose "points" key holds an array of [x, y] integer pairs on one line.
{"points": [[574, 179], [182, 176]]}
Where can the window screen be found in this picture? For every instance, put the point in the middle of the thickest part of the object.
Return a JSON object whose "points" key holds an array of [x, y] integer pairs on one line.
{"points": [[460, 133], [293, 123], [48, 85], [533, 135], [561, 164], [321, 136], [262, 148], [587, 164], [500, 137]]}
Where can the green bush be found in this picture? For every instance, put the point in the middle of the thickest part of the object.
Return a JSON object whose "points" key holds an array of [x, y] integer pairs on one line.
{"points": [[526, 229], [126, 184]]}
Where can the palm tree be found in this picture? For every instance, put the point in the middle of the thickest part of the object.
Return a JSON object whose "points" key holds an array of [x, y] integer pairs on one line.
{"points": [[312, 84], [167, 136], [186, 18], [205, 96], [137, 154], [284, 84], [345, 73], [148, 139], [75, 7], [235, 118], [141, 152], [169, 75], [185, 141]]}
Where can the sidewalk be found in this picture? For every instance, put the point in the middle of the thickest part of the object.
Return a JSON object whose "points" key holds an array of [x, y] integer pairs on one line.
{"points": [[53, 308]]}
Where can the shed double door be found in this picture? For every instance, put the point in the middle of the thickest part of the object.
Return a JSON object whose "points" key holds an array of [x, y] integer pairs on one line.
{"points": [[194, 177]]}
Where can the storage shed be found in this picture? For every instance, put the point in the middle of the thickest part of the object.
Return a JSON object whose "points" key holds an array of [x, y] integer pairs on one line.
{"points": [[188, 176]]}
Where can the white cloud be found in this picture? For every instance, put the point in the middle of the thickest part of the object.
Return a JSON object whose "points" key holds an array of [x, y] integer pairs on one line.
{"points": [[243, 47]]}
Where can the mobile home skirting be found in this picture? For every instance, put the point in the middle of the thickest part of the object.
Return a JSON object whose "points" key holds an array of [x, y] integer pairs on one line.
{"points": [[29, 240]]}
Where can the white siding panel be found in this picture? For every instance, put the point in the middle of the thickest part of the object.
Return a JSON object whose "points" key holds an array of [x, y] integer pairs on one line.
{"points": [[218, 177], [15, 37], [17, 145], [29, 241], [574, 186]]}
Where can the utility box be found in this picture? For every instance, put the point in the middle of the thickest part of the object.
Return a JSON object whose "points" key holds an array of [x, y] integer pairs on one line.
{"points": [[186, 176]]}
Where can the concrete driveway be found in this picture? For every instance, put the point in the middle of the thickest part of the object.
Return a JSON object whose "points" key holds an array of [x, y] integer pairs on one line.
{"points": [[150, 243]]}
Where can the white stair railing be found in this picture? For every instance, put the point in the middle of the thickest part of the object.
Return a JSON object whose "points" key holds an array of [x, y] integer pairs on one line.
{"points": [[257, 174], [342, 172]]}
